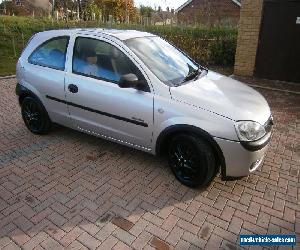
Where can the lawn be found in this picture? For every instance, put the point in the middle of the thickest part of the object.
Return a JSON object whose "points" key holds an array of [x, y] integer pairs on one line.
{"points": [[7, 66]]}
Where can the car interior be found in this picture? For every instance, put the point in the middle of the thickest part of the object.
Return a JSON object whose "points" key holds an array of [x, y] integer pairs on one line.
{"points": [[109, 62]]}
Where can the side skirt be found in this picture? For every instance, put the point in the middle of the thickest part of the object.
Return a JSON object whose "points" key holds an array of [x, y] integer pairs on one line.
{"points": [[114, 139]]}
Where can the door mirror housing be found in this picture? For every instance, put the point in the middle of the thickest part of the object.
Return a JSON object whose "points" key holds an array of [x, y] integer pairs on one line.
{"points": [[128, 81], [132, 81]]}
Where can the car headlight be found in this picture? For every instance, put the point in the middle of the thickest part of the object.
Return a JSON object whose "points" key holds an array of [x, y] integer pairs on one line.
{"points": [[249, 130]]}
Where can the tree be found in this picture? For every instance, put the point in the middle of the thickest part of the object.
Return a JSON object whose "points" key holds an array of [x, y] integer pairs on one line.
{"points": [[120, 10], [125, 10], [146, 11], [64, 6], [92, 11]]}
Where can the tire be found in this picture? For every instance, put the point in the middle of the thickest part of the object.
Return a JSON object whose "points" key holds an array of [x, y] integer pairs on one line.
{"points": [[192, 160], [35, 116]]}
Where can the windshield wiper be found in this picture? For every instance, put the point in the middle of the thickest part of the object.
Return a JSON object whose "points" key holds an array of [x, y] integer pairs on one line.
{"points": [[191, 75], [202, 73]]}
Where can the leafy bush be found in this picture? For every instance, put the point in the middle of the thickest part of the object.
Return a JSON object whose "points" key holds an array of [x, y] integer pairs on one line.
{"points": [[222, 52], [208, 46]]}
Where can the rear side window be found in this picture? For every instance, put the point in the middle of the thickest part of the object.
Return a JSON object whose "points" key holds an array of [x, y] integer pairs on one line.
{"points": [[51, 53]]}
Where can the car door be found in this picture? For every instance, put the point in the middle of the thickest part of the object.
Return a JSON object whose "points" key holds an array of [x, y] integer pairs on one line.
{"points": [[45, 73], [97, 104]]}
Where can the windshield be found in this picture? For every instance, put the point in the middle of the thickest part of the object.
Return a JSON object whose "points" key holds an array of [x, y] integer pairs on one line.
{"points": [[169, 64]]}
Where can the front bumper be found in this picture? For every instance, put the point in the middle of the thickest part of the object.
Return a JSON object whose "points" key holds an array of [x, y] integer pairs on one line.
{"points": [[241, 160]]}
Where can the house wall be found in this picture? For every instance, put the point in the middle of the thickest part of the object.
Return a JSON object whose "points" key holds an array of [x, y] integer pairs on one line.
{"points": [[43, 4], [210, 12], [31, 7], [248, 35]]}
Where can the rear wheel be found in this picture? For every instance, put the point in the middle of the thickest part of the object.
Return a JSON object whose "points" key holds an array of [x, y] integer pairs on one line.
{"points": [[191, 160], [34, 115]]}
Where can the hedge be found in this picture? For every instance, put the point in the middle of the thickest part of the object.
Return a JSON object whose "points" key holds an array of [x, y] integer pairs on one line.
{"points": [[208, 46]]}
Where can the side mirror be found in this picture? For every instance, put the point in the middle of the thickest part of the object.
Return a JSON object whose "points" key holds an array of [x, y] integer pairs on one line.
{"points": [[128, 81]]}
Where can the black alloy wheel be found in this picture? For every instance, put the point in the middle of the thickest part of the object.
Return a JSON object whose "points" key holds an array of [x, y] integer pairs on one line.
{"points": [[191, 160], [35, 117]]}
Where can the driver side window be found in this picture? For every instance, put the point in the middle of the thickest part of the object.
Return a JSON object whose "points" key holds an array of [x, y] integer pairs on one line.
{"points": [[101, 60]]}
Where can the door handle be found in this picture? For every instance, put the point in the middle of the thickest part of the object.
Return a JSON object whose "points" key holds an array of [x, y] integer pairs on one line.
{"points": [[73, 88]]}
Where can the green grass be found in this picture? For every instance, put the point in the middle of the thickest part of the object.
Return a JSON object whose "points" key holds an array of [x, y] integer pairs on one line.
{"points": [[8, 66], [208, 46]]}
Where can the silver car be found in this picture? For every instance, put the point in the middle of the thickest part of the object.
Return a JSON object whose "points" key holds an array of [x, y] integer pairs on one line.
{"points": [[136, 89]]}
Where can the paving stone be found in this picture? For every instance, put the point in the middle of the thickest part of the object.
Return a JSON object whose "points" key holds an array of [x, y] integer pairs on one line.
{"points": [[122, 223], [61, 190], [159, 244]]}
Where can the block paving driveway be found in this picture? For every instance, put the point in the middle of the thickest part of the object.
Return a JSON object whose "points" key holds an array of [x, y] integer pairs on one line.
{"points": [[70, 190]]}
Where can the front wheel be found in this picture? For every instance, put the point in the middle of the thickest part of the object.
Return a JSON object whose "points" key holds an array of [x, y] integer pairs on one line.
{"points": [[192, 160], [34, 115]]}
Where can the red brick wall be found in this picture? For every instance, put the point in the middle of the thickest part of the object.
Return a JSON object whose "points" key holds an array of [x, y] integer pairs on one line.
{"points": [[210, 12], [27, 8]]}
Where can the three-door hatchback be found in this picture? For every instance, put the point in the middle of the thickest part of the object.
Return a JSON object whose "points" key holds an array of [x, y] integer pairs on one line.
{"points": [[137, 89]]}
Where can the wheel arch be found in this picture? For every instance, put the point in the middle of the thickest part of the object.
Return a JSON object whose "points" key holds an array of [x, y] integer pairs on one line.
{"points": [[165, 136], [23, 92]]}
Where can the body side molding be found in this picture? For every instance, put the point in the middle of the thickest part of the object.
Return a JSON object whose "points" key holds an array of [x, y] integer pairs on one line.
{"points": [[139, 123]]}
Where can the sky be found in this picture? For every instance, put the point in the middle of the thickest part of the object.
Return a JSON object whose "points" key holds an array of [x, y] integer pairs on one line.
{"points": [[163, 3]]}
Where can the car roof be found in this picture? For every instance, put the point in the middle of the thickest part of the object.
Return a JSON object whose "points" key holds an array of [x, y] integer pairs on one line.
{"points": [[119, 34]]}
